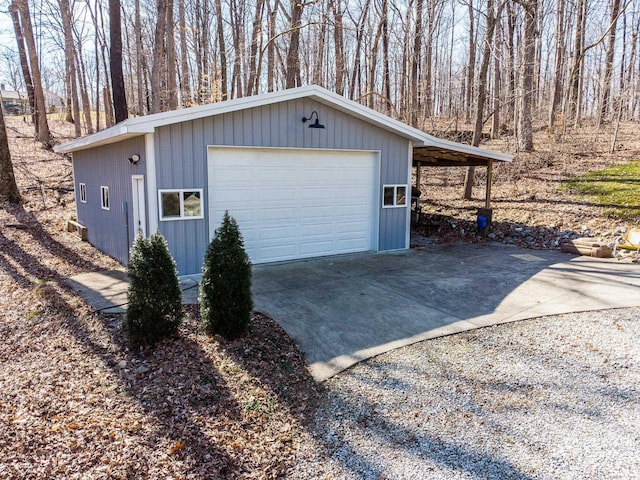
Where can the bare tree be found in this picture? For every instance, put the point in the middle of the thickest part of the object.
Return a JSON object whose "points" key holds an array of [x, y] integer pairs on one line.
{"points": [[43, 133], [482, 90], [8, 187], [158, 102], [115, 62], [293, 54], [559, 65], [222, 49], [70, 63], [608, 63], [525, 127], [24, 63], [415, 61]]}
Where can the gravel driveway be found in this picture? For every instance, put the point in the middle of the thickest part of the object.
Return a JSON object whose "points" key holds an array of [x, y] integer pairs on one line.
{"points": [[554, 397]]}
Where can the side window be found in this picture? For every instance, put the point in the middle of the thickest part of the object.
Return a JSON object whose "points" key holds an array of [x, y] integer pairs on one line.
{"points": [[83, 192], [180, 204], [394, 196], [104, 197]]}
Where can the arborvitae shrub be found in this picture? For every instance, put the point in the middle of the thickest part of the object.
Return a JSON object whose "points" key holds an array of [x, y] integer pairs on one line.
{"points": [[225, 292], [155, 298]]}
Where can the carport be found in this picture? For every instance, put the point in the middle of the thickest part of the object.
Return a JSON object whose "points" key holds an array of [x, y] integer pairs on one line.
{"points": [[450, 154]]}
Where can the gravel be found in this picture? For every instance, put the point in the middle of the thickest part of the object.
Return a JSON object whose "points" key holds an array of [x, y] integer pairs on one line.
{"points": [[554, 397]]}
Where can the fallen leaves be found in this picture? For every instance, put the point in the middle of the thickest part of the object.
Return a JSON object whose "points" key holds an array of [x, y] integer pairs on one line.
{"points": [[76, 401]]}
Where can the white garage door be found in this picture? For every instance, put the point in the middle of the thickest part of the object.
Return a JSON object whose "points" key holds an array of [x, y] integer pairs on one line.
{"points": [[292, 203]]}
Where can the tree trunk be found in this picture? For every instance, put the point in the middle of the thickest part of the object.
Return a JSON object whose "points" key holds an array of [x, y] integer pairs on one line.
{"points": [[386, 69], [252, 82], [338, 42], [292, 78], [222, 49], [44, 135], [159, 67], [84, 94], [525, 128], [559, 65], [171, 74], [471, 64], [8, 187], [70, 63], [415, 62], [497, 85], [185, 79], [608, 64], [139, 61], [24, 63], [482, 92], [115, 62], [571, 109], [271, 55]]}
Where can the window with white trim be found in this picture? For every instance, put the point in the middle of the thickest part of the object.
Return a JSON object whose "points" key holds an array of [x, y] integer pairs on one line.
{"points": [[104, 197], [394, 196], [184, 204], [83, 192]]}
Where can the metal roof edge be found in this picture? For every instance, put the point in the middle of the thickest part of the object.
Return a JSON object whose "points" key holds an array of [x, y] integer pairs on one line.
{"points": [[470, 149], [147, 124]]}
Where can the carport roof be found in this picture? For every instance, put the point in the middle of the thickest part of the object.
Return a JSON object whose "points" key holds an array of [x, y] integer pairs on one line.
{"points": [[427, 148]]}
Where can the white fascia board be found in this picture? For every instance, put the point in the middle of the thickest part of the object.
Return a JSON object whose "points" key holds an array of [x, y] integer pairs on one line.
{"points": [[113, 134]]}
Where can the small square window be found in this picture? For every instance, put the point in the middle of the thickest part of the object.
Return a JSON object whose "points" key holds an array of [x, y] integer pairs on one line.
{"points": [[83, 192], [104, 197], [394, 196], [180, 204]]}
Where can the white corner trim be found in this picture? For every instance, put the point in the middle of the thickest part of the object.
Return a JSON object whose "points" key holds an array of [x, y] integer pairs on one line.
{"points": [[407, 243], [152, 204]]}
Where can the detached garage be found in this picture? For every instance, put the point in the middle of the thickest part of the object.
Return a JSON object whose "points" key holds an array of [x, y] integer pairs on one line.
{"points": [[305, 172]]}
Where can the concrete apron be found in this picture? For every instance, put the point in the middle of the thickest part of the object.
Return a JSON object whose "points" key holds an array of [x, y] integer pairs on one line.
{"points": [[344, 309]]}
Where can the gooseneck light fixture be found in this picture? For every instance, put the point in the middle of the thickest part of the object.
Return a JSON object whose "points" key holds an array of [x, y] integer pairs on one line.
{"points": [[316, 124]]}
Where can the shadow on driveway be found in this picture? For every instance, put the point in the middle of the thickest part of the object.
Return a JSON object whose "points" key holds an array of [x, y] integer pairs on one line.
{"points": [[344, 309]]}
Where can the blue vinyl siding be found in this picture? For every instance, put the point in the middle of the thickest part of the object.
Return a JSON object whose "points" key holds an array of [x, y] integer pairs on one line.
{"points": [[108, 166], [181, 162]]}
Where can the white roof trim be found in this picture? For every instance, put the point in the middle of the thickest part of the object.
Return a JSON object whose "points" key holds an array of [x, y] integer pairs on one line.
{"points": [[147, 124]]}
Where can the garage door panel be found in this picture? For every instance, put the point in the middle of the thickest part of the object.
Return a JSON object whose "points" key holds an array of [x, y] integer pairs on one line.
{"points": [[295, 203]]}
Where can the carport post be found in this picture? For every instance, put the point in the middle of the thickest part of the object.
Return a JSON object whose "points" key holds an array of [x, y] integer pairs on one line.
{"points": [[487, 199], [418, 169]]}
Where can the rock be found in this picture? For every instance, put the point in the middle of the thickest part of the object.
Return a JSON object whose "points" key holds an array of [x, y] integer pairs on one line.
{"points": [[492, 236], [517, 229], [142, 369]]}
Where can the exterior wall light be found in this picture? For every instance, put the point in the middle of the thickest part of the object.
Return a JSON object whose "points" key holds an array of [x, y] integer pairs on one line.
{"points": [[316, 124]]}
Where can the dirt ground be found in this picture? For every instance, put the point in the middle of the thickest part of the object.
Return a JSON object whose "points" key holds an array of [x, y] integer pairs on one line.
{"points": [[530, 208]]}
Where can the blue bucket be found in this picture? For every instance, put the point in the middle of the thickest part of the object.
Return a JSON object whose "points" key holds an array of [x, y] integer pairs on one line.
{"points": [[482, 222]]}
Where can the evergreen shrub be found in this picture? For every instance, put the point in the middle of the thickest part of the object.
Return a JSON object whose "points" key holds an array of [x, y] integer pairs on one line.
{"points": [[155, 299], [225, 291]]}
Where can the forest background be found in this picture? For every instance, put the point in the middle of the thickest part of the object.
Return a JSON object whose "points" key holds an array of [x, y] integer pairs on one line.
{"points": [[505, 66]]}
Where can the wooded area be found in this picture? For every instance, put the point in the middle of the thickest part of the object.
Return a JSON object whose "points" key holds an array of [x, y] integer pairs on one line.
{"points": [[499, 64]]}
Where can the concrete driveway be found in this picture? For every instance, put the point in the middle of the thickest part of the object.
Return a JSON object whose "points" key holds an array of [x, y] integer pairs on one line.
{"points": [[344, 309]]}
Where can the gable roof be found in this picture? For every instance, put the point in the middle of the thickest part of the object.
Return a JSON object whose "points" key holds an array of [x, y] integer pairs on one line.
{"points": [[134, 127]]}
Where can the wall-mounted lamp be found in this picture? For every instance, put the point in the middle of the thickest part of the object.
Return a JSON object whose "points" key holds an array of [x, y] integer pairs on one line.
{"points": [[316, 124], [133, 159]]}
